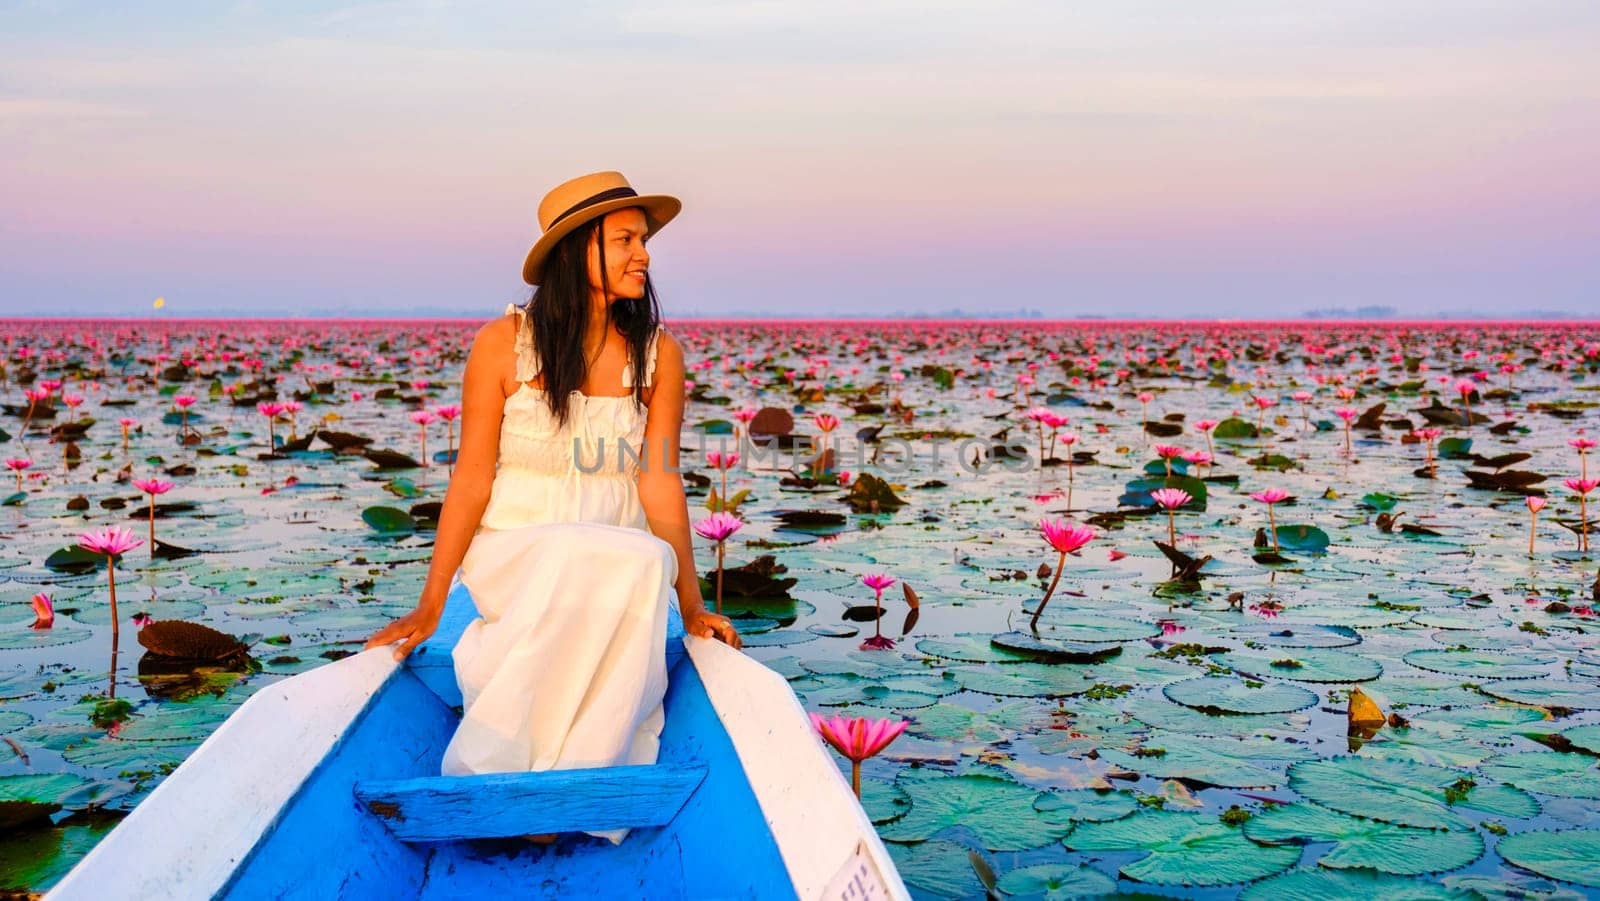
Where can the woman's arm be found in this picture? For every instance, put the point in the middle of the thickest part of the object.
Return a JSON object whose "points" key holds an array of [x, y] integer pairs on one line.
{"points": [[482, 406], [661, 490]]}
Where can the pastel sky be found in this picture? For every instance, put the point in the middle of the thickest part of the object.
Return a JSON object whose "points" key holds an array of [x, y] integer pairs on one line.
{"points": [[1204, 158]]}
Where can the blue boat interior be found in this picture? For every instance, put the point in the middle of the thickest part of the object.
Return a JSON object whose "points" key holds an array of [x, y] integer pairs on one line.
{"points": [[377, 820]]}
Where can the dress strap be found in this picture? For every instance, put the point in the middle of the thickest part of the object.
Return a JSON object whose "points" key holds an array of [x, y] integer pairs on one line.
{"points": [[527, 356], [649, 363]]}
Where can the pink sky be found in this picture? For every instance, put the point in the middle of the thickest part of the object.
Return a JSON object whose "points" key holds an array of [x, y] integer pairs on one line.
{"points": [[1237, 158]]}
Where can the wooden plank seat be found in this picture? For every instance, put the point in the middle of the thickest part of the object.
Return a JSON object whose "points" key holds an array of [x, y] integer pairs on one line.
{"points": [[432, 664], [498, 805]]}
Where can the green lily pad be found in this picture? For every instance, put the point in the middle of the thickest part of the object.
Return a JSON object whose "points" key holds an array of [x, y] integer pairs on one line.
{"points": [[939, 869], [1404, 793], [1320, 885], [954, 723], [1069, 625], [999, 811], [58, 634], [1585, 737], [1305, 539], [1185, 849], [1571, 855], [1305, 665], [1545, 693], [388, 520], [1084, 805], [1057, 882], [1480, 664], [883, 800], [1368, 844], [1228, 695], [1548, 773]]}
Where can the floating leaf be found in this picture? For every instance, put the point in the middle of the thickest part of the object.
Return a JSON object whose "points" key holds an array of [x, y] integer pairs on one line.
{"points": [[1572, 855], [1057, 882], [1548, 773], [1185, 849], [1405, 793], [1225, 695], [1369, 844], [1000, 812], [1317, 884]]}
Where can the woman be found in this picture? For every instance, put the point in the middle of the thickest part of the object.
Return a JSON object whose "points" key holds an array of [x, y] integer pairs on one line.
{"points": [[566, 513]]}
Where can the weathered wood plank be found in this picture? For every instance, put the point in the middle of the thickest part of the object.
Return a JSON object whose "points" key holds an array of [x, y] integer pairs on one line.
{"points": [[494, 805]]}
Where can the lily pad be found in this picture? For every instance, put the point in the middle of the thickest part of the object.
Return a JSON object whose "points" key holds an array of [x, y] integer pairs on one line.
{"points": [[1319, 885], [1548, 773], [1185, 849], [1227, 695], [1572, 855], [1406, 793], [1368, 844], [1057, 882], [999, 811]]}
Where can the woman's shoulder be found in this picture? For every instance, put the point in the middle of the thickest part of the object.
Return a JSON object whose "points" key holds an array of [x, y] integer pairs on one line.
{"points": [[501, 332]]}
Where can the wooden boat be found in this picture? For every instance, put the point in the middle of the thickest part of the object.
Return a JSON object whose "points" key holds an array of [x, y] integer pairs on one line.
{"points": [[326, 785]]}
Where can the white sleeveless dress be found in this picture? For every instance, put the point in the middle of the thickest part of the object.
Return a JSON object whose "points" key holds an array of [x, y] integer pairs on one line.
{"points": [[565, 667]]}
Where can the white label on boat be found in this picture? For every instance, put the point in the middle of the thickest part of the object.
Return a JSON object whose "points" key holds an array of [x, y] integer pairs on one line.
{"points": [[857, 880]]}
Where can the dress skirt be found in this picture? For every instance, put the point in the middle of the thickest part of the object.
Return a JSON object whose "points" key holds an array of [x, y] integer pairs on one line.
{"points": [[565, 668]]}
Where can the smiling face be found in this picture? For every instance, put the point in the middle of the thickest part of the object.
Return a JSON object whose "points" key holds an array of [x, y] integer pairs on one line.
{"points": [[626, 259]]}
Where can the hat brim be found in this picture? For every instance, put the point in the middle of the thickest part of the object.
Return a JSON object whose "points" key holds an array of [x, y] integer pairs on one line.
{"points": [[659, 209]]}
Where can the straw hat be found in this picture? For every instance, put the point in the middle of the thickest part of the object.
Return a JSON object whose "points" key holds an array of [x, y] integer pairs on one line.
{"points": [[572, 203]]}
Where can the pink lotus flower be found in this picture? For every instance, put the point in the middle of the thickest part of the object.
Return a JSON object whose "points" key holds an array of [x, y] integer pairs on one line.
{"points": [[184, 401], [718, 527], [878, 642], [720, 460], [1171, 499], [826, 422], [1584, 445], [1114, 555], [857, 739], [1583, 487], [142, 619], [1346, 413], [1271, 497], [44, 612], [1066, 538], [449, 413], [1205, 425], [111, 541], [1535, 504], [17, 465], [270, 409], [152, 486]]}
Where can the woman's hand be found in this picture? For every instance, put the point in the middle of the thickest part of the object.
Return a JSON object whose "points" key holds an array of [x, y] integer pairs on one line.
{"points": [[412, 629], [712, 625]]}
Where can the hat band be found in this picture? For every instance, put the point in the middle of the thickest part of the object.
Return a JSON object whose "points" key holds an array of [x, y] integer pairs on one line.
{"points": [[601, 197]]}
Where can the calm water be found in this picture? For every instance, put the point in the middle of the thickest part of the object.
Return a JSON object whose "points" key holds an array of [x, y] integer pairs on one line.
{"points": [[1117, 770]]}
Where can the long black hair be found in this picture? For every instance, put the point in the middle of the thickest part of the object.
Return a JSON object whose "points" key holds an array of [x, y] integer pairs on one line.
{"points": [[558, 314]]}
